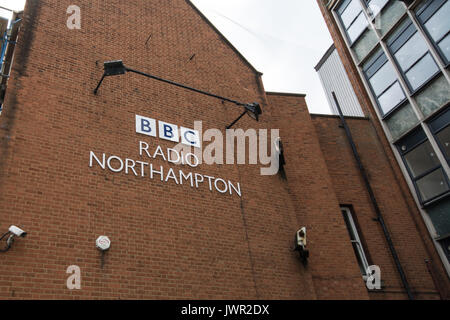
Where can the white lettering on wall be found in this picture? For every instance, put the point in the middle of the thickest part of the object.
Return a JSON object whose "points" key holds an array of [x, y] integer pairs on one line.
{"points": [[144, 169]]}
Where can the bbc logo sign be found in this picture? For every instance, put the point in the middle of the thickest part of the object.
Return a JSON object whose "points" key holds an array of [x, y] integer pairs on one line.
{"points": [[167, 131]]}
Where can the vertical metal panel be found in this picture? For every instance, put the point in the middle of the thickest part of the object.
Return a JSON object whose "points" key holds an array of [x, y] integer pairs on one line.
{"points": [[334, 78]]}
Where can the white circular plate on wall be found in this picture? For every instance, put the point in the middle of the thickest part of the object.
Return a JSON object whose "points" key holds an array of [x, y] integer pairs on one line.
{"points": [[103, 243]]}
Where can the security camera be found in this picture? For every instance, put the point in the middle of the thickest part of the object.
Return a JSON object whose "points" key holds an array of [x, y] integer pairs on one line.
{"points": [[280, 151], [17, 231], [11, 234], [300, 239], [300, 244]]}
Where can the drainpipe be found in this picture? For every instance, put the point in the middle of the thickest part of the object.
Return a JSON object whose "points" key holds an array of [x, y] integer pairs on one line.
{"points": [[374, 201]]}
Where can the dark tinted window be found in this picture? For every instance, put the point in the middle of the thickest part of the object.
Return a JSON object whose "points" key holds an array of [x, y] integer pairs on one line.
{"points": [[423, 166], [440, 127]]}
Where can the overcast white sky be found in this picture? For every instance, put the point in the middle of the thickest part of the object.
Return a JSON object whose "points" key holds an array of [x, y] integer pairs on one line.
{"points": [[12, 4], [284, 39]]}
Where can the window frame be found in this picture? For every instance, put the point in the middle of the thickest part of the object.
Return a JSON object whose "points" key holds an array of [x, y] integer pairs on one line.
{"points": [[338, 8], [416, 140], [365, 6], [422, 22], [362, 257], [378, 53], [436, 130], [373, 16], [445, 245], [404, 27]]}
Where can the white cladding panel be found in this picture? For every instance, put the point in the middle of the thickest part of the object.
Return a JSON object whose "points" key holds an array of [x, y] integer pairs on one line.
{"points": [[334, 78]]}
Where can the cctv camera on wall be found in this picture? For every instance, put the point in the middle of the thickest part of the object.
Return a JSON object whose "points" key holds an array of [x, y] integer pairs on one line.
{"points": [[17, 231], [300, 244], [300, 239], [13, 232]]}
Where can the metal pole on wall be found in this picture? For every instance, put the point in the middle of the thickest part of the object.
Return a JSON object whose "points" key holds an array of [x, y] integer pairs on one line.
{"points": [[374, 200], [3, 8]]}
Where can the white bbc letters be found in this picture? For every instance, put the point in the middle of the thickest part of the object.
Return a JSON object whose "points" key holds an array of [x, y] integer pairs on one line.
{"points": [[146, 126], [167, 131]]}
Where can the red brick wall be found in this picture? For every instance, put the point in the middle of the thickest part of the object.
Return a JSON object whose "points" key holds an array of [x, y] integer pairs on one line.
{"points": [[350, 190], [364, 100], [168, 241], [333, 264]]}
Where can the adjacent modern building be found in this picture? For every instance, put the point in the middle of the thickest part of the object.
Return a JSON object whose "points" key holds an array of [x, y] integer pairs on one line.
{"points": [[396, 55], [113, 210]]}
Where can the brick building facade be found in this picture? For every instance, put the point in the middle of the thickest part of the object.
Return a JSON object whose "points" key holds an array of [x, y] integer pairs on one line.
{"points": [[421, 103], [172, 241]]}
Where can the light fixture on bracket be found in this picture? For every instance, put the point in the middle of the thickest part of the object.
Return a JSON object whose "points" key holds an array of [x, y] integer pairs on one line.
{"points": [[252, 109], [12, 233], [116, 67]]}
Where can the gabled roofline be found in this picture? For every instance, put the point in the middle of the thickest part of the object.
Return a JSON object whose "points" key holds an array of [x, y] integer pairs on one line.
{"points": [[325, 57], [223, 38], [287, 94]]}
